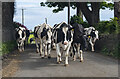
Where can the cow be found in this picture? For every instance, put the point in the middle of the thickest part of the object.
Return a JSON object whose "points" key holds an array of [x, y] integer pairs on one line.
{"points": [[20, 38], [79, 41], [53, 46], [63, 38], [43, 36], [92, 35]]}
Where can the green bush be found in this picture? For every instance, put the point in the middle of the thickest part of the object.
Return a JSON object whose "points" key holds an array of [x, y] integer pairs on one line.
{"points": [[76, 19], [101, 26], [114, 52], [7, 47], [104, 27], [108, 27], [79, 20]]}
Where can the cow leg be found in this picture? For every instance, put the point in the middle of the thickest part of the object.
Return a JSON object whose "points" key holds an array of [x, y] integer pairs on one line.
{"points": [[20, 49], [66, 54], [78, 50], [42, 52], [74, 54], [58, 54], [22, 46], [92, 45], [36, 42], [49, 49], [45, 46], [81, 56]]}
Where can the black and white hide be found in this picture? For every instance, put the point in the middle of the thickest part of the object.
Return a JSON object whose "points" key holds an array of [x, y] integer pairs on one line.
{"points": [[92, 36], [20, 38], [43, 34], [79, 41], [63, 38]]}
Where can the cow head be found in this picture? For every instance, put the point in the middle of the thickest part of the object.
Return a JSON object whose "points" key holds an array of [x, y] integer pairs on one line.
{"points": [[94, 34], [46, 33], [64, 33]]}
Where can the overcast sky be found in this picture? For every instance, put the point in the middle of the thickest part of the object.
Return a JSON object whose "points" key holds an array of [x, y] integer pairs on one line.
{"points": [[35, 14]]}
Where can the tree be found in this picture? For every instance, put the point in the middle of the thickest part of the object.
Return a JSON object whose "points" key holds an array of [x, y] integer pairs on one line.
{"points": [[117, 10], [92, 16]]}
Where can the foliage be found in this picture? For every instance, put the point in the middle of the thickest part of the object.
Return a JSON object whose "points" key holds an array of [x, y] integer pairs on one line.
{"points": [[61, 5], [114, 52], [76, 19], [104, 27], [7, 47], [79, 20], [108, 27], [101, 26], [105, 5]]}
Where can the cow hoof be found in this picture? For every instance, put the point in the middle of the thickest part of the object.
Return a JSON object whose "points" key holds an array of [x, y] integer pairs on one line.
{"points": [[58, 62], [45, 55], [20, 51], [49, 57], [66, 65], [81, 60], [78, 57], [42, 57], [74, 59]]}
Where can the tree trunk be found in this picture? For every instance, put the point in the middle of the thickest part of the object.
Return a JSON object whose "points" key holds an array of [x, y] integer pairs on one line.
{"points": [[117, 10], [79, 12], [92, 16], [95, 12]]}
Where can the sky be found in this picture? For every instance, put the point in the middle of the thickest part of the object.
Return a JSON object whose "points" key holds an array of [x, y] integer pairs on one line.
{"points": [[34, 14]]}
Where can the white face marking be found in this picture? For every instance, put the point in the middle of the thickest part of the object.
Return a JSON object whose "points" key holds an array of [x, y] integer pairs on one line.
{"points": [[65, 29], [20, 33]]}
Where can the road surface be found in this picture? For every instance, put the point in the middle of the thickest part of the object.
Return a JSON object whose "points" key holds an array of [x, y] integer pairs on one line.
{"points": [[94, 65]]}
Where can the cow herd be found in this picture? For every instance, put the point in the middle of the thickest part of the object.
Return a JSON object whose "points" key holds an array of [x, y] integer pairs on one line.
{"points": [[66, 38]]}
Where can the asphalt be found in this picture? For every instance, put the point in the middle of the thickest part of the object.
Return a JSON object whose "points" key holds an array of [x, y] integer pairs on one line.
{"points": [[94, 65]]}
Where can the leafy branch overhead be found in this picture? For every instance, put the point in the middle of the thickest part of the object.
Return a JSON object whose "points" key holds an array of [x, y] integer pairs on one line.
{"points": [[59, 6]]}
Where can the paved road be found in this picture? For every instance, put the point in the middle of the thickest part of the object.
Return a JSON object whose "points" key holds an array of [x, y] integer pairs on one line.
{"points": [[94, 65]]}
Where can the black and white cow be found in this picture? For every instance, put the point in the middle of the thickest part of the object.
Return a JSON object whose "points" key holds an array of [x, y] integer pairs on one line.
{"points": [[63, 38], [53, 46], [43, 34], [92, 36], [79, 41], [20, 38]]}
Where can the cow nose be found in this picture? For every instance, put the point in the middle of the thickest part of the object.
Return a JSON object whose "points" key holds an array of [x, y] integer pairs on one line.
{"points": [[65, 43], [20, 38]]}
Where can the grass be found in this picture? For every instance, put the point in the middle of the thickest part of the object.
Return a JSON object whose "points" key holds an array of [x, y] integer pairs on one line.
{"points": [[7, 47]]}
